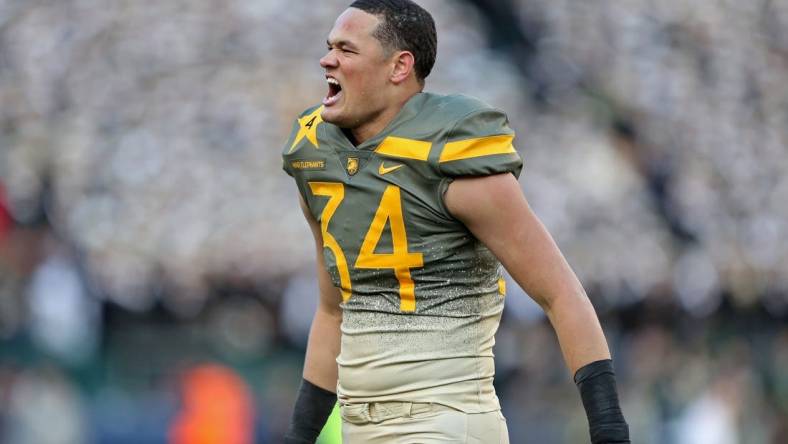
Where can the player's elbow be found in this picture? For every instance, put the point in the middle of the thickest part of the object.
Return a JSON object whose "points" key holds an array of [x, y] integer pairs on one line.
{"points": [[564, 300], [330, 311]]}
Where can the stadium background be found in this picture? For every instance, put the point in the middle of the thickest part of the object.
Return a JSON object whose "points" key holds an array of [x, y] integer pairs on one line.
{"points": [[152, 255]]}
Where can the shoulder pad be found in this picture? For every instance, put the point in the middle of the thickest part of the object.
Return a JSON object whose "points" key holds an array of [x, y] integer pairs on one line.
{"points": [[448, 109], [303, 134], [304, 130], [479, 143]]}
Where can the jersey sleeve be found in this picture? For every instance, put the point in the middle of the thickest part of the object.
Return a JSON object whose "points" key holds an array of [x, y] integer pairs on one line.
{"points": [[480, 144], [303, 133]]}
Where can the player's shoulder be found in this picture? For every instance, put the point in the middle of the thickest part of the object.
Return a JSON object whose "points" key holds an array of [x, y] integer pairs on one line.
{"points": [[476, 139], [463, 104], [304, 130], [454, 106], [461, 115]]}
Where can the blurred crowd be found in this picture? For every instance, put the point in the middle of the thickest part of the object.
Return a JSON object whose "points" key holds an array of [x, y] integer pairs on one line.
{"points": [[152, 253]]}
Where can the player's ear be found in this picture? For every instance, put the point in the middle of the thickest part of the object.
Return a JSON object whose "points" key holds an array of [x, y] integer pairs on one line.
{"points": [[403, 65]]}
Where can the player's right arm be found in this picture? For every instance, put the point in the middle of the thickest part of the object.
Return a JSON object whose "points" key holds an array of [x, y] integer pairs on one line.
{"points": [[320, 367], [316, 397]]}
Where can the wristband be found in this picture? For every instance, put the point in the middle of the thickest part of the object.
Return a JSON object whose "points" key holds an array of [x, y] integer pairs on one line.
{"points": [[312, 408], [597, 384]]}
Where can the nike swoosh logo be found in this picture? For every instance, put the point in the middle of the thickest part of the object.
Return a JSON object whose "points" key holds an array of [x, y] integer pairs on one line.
{"points": [[383, 170]]}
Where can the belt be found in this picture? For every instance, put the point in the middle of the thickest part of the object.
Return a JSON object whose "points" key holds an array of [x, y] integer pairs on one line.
{"points": [[376, 412]]}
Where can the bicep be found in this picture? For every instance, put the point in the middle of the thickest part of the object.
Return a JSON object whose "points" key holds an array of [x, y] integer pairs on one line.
{"points": [[495, 210]]}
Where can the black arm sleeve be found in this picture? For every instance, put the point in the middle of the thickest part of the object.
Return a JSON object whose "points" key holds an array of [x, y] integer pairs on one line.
{"points": [[597, 384], [312, 408]]}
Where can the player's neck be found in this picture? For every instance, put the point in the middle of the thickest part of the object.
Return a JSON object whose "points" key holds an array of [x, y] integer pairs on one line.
{"points": [[379, 123], [371, 129]]}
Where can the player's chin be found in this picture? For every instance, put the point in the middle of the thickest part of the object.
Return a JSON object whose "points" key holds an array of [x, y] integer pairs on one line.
{"points": [[332, 115]]}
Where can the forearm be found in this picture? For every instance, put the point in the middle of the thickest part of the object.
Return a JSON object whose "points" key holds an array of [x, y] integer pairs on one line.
{"points": [[320, 366], [317, 394], [579, 334], [586, 353]]}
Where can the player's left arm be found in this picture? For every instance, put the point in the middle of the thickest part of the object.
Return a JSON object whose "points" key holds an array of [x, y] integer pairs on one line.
{"points": [[495, 210]]}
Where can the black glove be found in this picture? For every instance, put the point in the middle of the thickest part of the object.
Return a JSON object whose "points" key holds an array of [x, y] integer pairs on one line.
{"points": [[312, 408], [597, 384]]}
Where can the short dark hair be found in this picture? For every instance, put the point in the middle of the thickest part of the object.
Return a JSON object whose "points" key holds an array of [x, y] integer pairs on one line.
{"points": [[405, 26]]}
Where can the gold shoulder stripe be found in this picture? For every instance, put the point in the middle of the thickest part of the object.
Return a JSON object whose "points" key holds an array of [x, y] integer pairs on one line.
{"points": [[404, 148], [482, 146]]}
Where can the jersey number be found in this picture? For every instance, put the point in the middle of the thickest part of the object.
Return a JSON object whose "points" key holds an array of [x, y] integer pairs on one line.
{"points": [[311, 122], [400, 260]]}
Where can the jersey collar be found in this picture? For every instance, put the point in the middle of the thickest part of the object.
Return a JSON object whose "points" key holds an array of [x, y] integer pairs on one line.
{"points": [[411, 109]]}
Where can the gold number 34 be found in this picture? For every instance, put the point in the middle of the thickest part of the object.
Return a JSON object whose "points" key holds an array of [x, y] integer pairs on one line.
{"points": [[400, 259]]}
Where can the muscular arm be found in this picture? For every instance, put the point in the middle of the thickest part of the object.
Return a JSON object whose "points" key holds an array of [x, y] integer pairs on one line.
{"points": [[495, 210], [320, 366], [317, 396]]}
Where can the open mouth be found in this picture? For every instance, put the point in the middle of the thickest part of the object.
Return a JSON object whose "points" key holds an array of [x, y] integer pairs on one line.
{"points": [[334, 91]]}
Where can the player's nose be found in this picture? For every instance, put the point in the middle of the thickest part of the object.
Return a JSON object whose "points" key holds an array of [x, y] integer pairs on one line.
{"points": [[329, 60]]}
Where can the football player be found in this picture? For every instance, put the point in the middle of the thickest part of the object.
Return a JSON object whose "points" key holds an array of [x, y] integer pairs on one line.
{"points": [[414, 204]]}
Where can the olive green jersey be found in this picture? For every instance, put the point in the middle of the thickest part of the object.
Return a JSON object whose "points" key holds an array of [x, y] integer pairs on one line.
{"points": [[422, 297]]}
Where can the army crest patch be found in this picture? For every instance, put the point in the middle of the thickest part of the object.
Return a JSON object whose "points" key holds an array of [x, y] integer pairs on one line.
{"points": [[352, 165]]}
